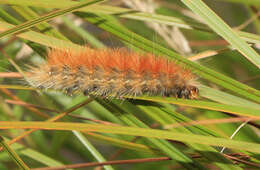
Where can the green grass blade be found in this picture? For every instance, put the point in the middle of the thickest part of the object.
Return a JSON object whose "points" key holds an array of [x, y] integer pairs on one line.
{"points": [[91, 148], [42, 158], [238, 110], [225, 98], [251, 2], [43, 27], [35, 155], [41, 3], [122, 143], [83, 33]]}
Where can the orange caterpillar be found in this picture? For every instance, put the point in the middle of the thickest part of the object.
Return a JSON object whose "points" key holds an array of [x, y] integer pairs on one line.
{"points": [[112, 73]]}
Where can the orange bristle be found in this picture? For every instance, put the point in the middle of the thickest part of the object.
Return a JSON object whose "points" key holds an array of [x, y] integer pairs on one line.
{"points": [[112, 72]]}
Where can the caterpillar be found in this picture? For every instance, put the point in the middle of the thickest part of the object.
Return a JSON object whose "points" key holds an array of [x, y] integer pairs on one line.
{"points": [[112, 73]]}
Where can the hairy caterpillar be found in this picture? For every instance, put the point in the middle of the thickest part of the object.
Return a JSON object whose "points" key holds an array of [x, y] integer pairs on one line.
{"points": [[112, 73]]}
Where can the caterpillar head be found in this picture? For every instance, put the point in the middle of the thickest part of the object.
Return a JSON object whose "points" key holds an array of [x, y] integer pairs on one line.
{"points": [[188, 92]]}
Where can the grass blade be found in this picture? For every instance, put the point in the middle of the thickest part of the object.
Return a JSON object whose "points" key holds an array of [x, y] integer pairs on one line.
{"points": [[238, 110], [92, 149]]}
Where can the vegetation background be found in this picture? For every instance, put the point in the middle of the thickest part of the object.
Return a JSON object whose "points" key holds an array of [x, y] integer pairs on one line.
{"points": [[216, 39]]}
